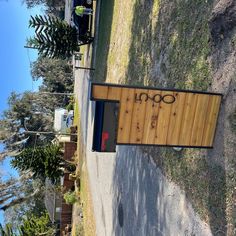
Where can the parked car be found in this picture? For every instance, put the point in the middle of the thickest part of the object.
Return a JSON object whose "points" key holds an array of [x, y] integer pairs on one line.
{"points": [[82, 23], [63, 120], [69, 119]]}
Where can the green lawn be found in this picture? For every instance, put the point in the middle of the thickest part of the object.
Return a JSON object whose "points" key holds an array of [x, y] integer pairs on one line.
{"points": [[104, 32]]}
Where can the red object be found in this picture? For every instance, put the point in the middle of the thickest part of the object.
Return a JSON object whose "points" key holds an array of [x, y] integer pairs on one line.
{"points": [[105, 136]]}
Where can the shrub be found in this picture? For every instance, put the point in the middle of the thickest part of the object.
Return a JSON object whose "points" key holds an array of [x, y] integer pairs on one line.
{"points": [[70, 106], [70, 197]]}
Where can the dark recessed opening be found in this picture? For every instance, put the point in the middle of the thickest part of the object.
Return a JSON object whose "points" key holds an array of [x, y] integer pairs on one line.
{"points": [[105, 126]]}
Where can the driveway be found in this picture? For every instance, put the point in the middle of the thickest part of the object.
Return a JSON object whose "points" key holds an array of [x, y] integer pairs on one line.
{"points": [[130, 194]]}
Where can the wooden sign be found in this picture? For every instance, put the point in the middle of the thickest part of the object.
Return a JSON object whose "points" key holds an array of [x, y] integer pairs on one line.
{"points": [[150, 116]]}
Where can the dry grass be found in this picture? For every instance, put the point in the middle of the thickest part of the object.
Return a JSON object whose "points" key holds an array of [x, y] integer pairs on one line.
{"points": [[87, 225], [86, 198]]}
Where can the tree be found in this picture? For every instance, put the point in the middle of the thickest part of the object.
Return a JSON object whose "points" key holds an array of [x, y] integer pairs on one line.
{"points": [[34, 225], [54, 38], [32, 206], [44, 162], [14, 191], [56, 74], [34, 3], [31, 225], [25, 110], [50, 6], [7, 230], [33, 111]]}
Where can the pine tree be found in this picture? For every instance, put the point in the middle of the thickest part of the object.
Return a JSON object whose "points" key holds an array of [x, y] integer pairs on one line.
{"points": [[54, 38], [34, 225], [44, 161]]}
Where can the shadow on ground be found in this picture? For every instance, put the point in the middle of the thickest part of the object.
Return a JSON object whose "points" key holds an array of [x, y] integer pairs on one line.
{"points": [[172, 53], [146, 203], [136, 192]]}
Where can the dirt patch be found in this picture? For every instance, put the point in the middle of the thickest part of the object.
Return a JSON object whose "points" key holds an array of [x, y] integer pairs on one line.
{"points": [[223, 34], [223, 20]]}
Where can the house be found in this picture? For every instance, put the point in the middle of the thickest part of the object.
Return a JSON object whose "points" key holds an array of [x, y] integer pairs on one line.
{"points": [[60, 213]]}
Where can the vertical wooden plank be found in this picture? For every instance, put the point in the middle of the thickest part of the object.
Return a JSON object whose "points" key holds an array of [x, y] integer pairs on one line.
{"points": [[151, 116], [163, 120], [114, 93], [211, 120], [188, 118], [125, 115], [199, 120], [176, 119], [99, 92], [137, 123]]}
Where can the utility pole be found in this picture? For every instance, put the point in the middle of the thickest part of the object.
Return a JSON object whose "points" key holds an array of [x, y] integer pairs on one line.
{"points": [[84, 68]]}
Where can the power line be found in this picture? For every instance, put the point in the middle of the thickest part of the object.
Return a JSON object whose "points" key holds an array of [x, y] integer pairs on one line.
{"points": [[30, 62], [34, 148]]}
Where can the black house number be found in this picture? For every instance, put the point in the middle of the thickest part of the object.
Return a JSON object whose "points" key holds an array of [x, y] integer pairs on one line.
{"points": [[157, 98]]}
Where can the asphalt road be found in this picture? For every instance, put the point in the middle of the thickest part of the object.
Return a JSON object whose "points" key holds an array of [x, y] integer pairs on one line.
{"points": [[130, 195]]}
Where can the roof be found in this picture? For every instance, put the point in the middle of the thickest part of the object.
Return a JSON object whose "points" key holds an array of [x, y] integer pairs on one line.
{"points": [[52, 200]]}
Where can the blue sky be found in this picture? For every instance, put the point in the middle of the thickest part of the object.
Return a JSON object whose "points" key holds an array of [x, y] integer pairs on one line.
{"points": [[14, 58]]}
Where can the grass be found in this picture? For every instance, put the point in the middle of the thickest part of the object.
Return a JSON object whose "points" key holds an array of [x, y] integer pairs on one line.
{"points": [[204, 183], [78, 230], [231, 178], [159, 44], [88, 226], [76, 113], [189, 45], [89, 220], [178, 43], [104, 30]]}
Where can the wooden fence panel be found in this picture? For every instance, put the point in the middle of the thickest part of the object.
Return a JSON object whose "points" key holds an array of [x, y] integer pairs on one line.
{"points": [[125, 115], [114, 93], [211, 120], [176, 119], [138, 116], [151, 117], [187, 120], [100, 92], [199, 120], [163, 121]]}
